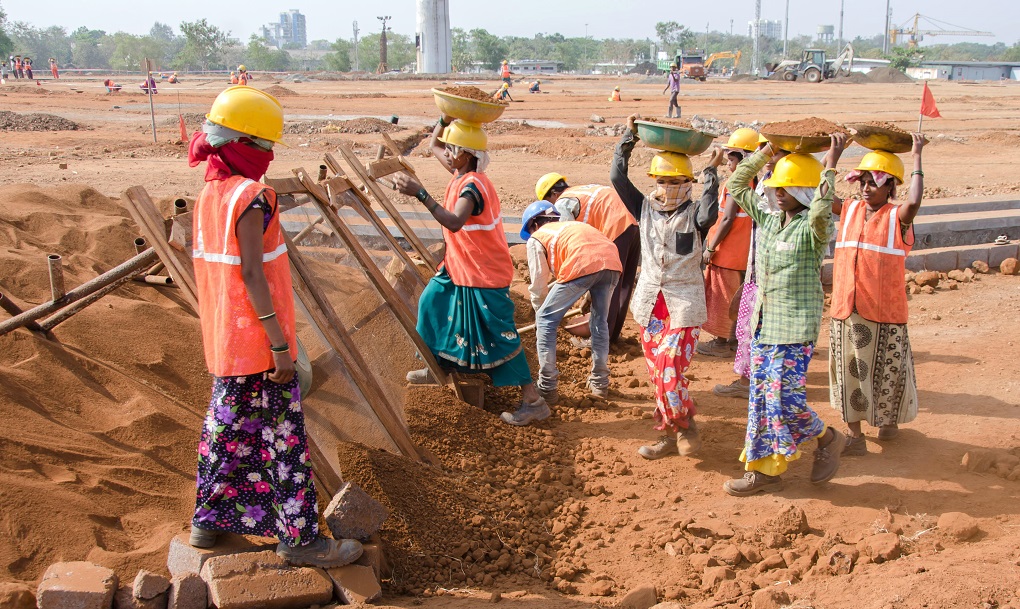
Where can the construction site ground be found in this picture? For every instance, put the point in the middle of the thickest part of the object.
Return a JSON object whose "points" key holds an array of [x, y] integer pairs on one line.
{"points": [[100, 428]]}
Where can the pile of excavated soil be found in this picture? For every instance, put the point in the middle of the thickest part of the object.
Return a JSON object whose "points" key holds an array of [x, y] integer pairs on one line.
{"points": [[741, 78], [672, 122], [856, 78], [360, 96], [1000, 138], [191, 119], [474, 93], [888, 75], [12, 121], [278, 91], [808, 127], [361, 125]]}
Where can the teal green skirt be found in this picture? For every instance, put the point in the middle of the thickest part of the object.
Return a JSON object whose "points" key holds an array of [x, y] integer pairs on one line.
{"points": [[472, 330]]}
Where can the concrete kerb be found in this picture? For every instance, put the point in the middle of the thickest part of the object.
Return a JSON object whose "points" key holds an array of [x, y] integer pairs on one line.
{"points": [[945, 259]]}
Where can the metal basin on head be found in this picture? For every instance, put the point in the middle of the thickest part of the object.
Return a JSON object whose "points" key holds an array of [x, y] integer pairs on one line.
{"points": [[673, 138], [881, 138], [470, 110]]}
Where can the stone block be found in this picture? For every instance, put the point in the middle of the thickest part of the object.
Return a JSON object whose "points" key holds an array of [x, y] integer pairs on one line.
{"points": [[263, 580], [125, 599], [372, 556], [702, 561], [725, 553], [188, 591], [942, 260], [881, 547], [958, 526], [149, 585], [14, 595], [998, 253], [76, 585], [915, 261], [643, 597], [353, 514], [355, 584], [184, 558], [968, 255]]}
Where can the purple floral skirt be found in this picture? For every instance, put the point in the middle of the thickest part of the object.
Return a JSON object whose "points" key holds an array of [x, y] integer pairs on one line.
{"points": [[742, 362]]}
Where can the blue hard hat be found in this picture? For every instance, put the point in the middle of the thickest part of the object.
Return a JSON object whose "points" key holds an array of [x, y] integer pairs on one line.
{"points": [[535, 209]]}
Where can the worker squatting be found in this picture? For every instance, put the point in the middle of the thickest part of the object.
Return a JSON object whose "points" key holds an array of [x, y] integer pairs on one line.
{"points": [[741, 260]]}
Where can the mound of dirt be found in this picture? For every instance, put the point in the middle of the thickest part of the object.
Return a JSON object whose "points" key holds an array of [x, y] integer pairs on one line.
{"points": [[1000, 138], [474, 93], [278, 91], [854, 78], [646, 67], [888, 75], [12, 121], [741, 77], [807, 127], [361, 125], [361, 96], [191, 119]]}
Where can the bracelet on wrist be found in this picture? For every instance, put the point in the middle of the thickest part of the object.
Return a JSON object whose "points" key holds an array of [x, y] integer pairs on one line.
{"points": [[281, 349], [443, 123], [709, 250], [422, 194], [265, 317], [917, 172]]}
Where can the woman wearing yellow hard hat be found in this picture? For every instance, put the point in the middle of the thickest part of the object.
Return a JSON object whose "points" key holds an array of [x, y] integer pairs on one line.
{"points": [[502, 93], [247, 485], [465, 314], [725, 254], [669, 299], [615, 96], [868, 330], [787, 316]]}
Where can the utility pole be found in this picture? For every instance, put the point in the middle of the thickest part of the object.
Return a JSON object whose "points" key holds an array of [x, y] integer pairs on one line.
{"points": [[731, 27], [586, 48], [839, 45], [888, 26], [705, 48], [786, 29], [357, 64], [383, 68], [756, 30]]}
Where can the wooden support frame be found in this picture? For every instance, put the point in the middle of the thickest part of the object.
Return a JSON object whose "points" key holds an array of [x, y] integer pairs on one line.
{"points": [[153, 226], [380, 196]]}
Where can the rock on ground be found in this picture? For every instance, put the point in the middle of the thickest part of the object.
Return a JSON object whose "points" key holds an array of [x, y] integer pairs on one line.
{"points": [[772, 597], [958, 526], [640, 598], [264, 580], [791, 520], [188, 591], [927, 279], [355, 584], [881, 547], [1008, 266], [353, 514], [76, 585], [16, 596]]}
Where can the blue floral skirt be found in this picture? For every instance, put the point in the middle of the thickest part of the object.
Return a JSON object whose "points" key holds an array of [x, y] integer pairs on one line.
{"points": [[779, 419], [254, 468]]}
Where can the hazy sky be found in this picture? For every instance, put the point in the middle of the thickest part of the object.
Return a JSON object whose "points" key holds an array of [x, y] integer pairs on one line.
{"points": [[331, 19]]}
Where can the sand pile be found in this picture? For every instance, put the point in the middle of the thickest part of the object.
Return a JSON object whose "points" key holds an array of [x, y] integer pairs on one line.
{"points": [[278, 91], [474, 93], [12, 121], [888, 75], [361, 125], [808, 127], [851, 78]]}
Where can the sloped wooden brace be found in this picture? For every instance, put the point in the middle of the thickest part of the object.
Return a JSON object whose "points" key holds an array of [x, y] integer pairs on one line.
{"points": [[153, 226]]}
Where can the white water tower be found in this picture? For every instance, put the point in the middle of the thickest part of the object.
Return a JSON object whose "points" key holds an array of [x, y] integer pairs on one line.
{"points": [[435, 46]]}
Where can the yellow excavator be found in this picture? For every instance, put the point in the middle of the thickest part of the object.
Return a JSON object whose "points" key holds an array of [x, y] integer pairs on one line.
{"points": [[734, 55]]}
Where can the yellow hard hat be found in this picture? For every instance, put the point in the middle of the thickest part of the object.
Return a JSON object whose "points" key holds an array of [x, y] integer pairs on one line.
{"points": [[880, 160], [743, 139], [250, 111], [546, 182], [504, 61], [762, 139], [242, 68], [465, 134], [506, 86], [671, 165], [616, 88], [796, 170]]}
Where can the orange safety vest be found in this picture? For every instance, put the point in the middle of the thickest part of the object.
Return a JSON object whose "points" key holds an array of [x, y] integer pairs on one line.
{"points": [[602, 208], [235, 342], [576, 249], [615, 97], [505, 72], [869, 265], [242, 78], [731, 252], [477, 256]]}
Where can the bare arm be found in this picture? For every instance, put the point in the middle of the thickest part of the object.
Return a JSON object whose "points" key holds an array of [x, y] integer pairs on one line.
{"points": [[628, 193], [438, 147], [454, 220], [908, 211], [739, 183], [249, 237]]}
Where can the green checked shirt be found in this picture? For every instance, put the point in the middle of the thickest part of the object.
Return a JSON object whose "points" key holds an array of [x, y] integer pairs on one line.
{"points": [[788, 259]]}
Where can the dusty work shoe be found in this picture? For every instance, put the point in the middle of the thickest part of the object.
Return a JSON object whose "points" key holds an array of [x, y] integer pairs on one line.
{"points": [[888, 432], [203, 538], [601, 392], [323, 552], [535, 411], [751, 483], [551, 397], [827, 458], [421, 377], [856, 446], [716, 347], [688, 441], [665, 447], [736, 389]]}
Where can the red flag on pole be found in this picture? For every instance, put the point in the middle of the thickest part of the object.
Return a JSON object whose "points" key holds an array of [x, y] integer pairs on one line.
{"points": [[184, 130], [928, 103]]}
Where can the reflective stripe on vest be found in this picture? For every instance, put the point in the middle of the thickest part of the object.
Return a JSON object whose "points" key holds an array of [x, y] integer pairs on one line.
{"points": [[888, 248], [601, 207], [477, 256], [575, 249]]}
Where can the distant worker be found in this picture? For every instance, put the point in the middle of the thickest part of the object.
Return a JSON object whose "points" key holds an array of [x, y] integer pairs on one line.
{"points": [[27, 64], [173, 79], [111, 87], [19, 70], [243, 78], [673, 86], [233, 78], [53, 68], [149, 85], [502, 93], [504, 73], [3, 72], [534, 87], [615, 97]]}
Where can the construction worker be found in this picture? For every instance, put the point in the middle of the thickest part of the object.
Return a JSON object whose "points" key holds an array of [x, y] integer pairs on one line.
{"points": [[673, 85], [465, 314], [581, 260], [504, 73], [725, 255], [669, 299], [787, 316], [233, 78], [173, 79], [19, 68], [27, 65], [243, 78], [502, 93], [3, 72], [602, 208], [534, 87], [149, 85], [254, 468], [615, 97], [53, 68], [111, 87]]}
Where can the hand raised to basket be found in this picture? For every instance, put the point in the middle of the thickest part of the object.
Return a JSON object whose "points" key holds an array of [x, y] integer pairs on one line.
{"points": [[718, 155], [405, 184], [631, 125], [838, 144], [918, 144]]}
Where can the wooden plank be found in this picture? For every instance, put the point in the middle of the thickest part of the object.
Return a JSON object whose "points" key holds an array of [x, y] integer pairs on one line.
{"points": [[153, 226], [393, 148], [324, 316], [285, 186], [383, 168], [375, 276], [380, 196], [337, 184]]}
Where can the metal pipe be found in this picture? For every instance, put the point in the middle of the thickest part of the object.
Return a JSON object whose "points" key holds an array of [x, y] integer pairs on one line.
{"points": [[180, 206], [15, 310], [56, 276], [304, 232], [155, 279], [140, 245], [156, 268], [124, 271], [322, 172]]}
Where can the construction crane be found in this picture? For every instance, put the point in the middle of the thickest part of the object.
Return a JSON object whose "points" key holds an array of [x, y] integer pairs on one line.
{"points": [[917, 35]]}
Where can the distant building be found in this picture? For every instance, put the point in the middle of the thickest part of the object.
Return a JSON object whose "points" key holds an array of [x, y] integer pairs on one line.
{"points": [[966, 70], [767, 29], [826, 33], [289, 30], [534, 66]]}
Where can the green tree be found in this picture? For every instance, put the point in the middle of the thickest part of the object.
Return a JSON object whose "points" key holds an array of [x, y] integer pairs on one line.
{"points": [[903, 58], [673, 36], [6, 44], [86, 49], [129, 51], [1012, 53], [258, 56], [400, 51], [203, 44], [489, 49], [461, 50], [171, 43], [339, 57]]}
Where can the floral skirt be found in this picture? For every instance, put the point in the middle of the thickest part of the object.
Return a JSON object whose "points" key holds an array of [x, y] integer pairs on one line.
{"points": [[779, 419], [254, 468], [742, 362], [668, 353]]}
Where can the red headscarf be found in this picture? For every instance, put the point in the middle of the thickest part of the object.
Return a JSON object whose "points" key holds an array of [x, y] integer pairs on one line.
{"points": [[230, 158]]}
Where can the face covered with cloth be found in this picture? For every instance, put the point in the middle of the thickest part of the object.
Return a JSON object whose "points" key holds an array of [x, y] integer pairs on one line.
{"points": [[228, 152]]}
